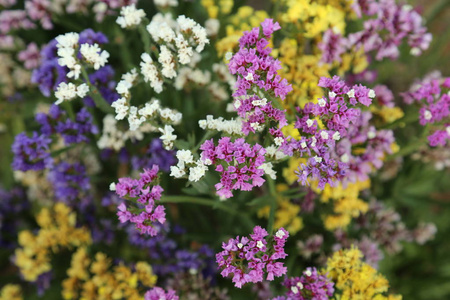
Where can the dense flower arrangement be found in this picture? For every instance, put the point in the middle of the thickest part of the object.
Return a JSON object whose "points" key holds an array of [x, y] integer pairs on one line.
{"points": [[175, 149]]}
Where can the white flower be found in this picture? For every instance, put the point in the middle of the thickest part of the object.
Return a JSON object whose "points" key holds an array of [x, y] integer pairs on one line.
{"points": [[196, 173], [314, 141], [259, 244], [448, 130], [168, 64], [324, 135], [309, 122], [165, 3], [268, 170], [303, 144], [371, 134], [336, 136], [322, 102], [332, 94], [261, 102], [371, 94], [228, 55], [123, 88], [249, 76], [121, 107], [68, 40], [278, 141], [294, 289], [280, 234], [415, 51], [65, 91], [112, 187], [130, 16], [308, 273], [185, 156], [176, 172], [82, 90], [345, 158], [351, 93], [167, 137], [212, 27], [94, 55], [318, 159], [427, 115], [150, 72]]}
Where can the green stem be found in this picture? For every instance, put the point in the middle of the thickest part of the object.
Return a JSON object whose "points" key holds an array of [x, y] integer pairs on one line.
{"points": [[68, 106], [206, 136], [273, 204], [145, 37], [199, 201], [100, 102]]}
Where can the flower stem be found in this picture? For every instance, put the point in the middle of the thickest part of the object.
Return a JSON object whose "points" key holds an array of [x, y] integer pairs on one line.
{"points": [[273, 204]]}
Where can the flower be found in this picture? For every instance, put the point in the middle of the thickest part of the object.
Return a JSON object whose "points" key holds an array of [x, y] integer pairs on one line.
{"points": [[130, 16], [249, 259]]}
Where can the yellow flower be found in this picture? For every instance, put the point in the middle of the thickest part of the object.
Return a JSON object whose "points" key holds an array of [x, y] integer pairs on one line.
{"points": [[287, 213], [355, 279], [11, 292]]}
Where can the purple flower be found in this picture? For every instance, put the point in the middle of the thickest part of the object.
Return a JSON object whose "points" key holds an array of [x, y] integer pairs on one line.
{"points": [[238, 162], [158, 293], [69, 181], [249, 259], [310, 286], [144, 192], [31, 153]]}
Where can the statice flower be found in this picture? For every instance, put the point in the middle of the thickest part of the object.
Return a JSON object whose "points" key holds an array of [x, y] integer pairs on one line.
{"points": [[30, 56], [31, 153], [69, 181], [250, 259], [14, 20], [337, 111], [73, 131], [130, 16], [144, 192], [392, 24], [333, 45], [238, 162], [158, 293], [310, 286], [433, 98]]}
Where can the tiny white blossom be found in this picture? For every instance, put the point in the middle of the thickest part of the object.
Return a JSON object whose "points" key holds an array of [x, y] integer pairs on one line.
{"points": [[121, 107], [268, 170], [345, 158], [322, 102], [112, 187], [258, 102], [427, 115], [185, 156], [318, 159], [176, 172], [337, 136], [240, 245], [278, 141], [259, 244], [130, 16], [351, 93], [280, 234], [294, 289], [415, 51], [324, 135], [371, 134], [309, 122], [94, 55], [303, 144], [308, 273], [332, 94], [228, 56], [371, 94], [249, 76]]}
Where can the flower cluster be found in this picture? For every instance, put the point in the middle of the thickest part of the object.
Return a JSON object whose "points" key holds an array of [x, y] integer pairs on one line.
{"points": [[158, 293], [433, 97], [57, 231], [238, 162], [145, 192], [249, 259], [311, 285], [31, 153], [336, 112], [88, 277]]}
